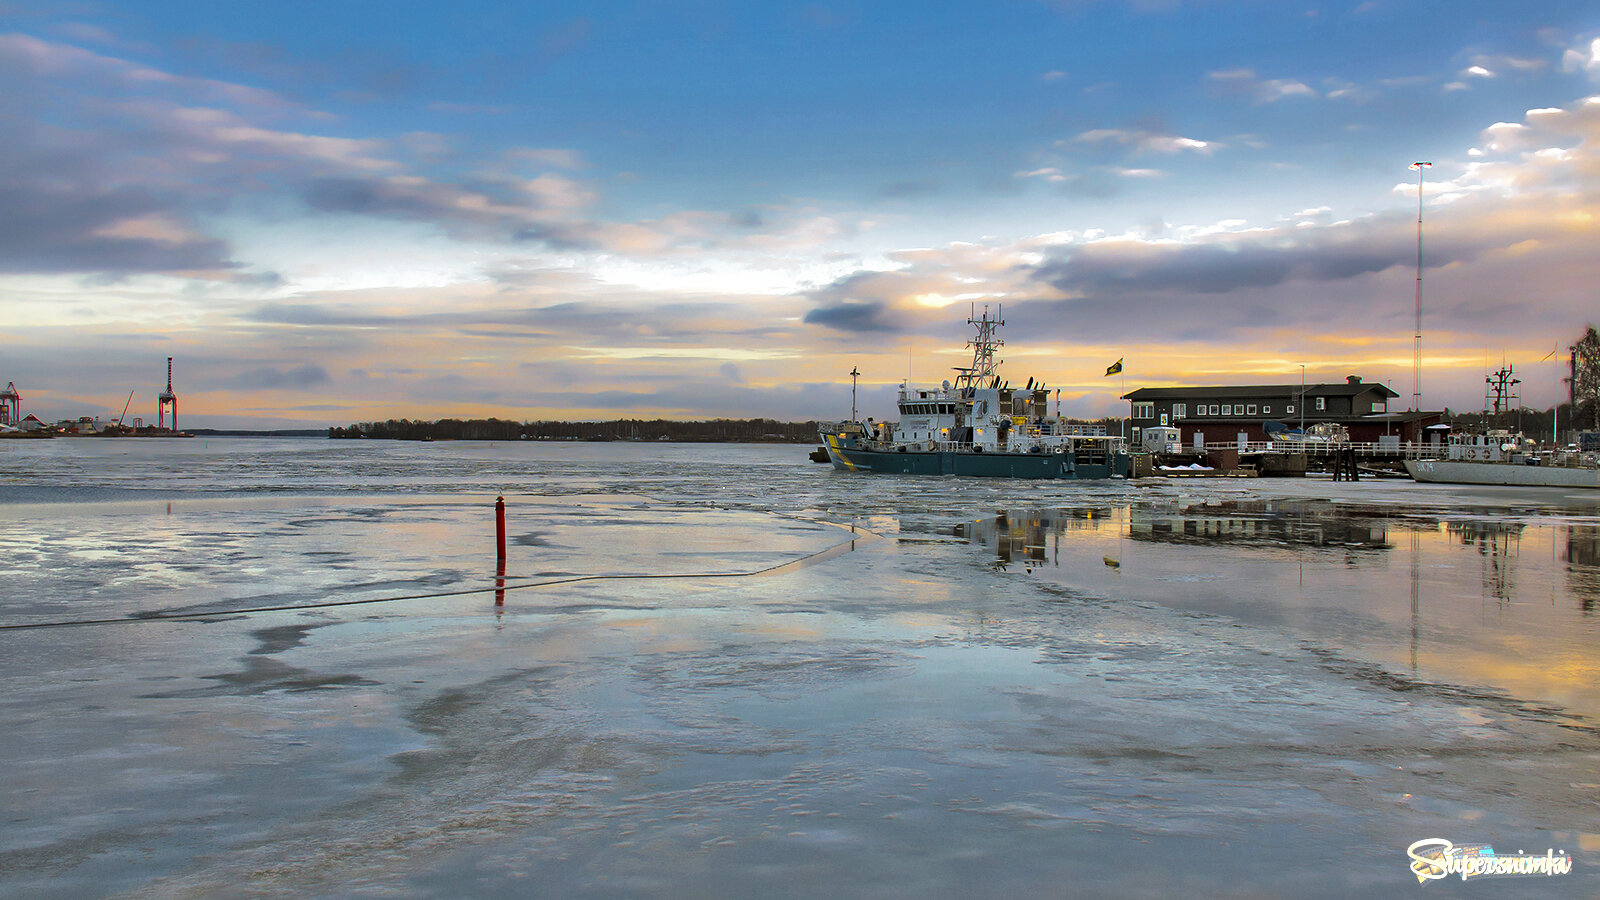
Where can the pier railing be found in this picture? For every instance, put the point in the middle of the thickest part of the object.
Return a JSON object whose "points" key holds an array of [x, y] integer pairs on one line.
{"points": [[1387, 449]]}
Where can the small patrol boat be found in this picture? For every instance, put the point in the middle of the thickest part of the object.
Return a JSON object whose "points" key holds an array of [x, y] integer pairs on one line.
{"points": [[1500, 457], [979, 426]]}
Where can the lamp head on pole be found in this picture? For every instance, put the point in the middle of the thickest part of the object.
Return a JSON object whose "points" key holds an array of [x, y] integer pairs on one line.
{"points": [[1421, 165]]}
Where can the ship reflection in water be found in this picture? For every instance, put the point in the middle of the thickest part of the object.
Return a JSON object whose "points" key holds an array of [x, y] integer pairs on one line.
{"points": [[1469, 597], [1583, 564], [1309, 523], [1498, 545], [1029, 535]]}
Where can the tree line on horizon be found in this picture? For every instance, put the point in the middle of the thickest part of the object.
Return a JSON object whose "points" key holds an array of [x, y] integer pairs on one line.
{"points": [[743, 431], [737, 431]]}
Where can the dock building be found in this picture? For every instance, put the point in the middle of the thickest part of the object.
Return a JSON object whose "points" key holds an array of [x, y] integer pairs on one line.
{"points": [[1223, 412]]}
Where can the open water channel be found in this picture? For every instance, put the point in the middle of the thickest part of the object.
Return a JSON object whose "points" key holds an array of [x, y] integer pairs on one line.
{"points": [[281, 667]]}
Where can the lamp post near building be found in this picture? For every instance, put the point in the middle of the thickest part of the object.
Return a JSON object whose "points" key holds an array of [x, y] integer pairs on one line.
{"points": [[1302, 403]]}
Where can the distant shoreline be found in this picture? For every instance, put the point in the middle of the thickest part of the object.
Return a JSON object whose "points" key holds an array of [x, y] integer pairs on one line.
{"points": [[715, 431], [260, 432]]}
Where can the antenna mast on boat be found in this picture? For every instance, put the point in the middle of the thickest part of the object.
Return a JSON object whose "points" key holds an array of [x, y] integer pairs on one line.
{"points": [[985, 366], [854, 374], [1501, 389]]}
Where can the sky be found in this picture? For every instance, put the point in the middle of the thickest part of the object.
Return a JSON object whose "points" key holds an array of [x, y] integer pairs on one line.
{"points": [[349, 211]]}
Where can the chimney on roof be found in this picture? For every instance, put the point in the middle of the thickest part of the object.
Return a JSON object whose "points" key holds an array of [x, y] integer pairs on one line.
{"points": [[1353, 379]]}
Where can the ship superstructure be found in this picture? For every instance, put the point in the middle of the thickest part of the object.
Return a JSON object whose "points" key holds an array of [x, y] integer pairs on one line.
{"points": [[980, 425]]}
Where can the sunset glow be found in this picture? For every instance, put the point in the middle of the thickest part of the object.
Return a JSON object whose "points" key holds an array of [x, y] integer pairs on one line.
{"points": [[346, 212]]}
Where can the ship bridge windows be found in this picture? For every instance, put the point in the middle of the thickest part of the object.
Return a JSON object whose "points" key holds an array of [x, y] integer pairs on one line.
{"points": [[928, 409]]}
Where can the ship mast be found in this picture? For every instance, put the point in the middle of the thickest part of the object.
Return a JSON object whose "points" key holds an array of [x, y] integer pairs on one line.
{"points": [[984, 371], [1501, 390]]}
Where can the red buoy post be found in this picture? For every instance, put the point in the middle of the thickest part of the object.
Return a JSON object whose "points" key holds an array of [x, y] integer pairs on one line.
{"points": [[500, 526]]}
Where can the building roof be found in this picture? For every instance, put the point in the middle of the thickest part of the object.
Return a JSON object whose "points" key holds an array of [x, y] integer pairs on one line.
{"points": [[1407, 416], [1246, 391]]}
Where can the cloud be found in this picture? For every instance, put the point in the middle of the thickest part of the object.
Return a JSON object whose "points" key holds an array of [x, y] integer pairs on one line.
{"points": [[1145, 141], [1503, 63], [1222, 263], [1244, 81], [1584, 58], [547, 157], [60, 228], [273, 379], [1527, 205], [95, 149], [1048, 173], [900, 190], [523, 209], [857, 316], [900, 300]]}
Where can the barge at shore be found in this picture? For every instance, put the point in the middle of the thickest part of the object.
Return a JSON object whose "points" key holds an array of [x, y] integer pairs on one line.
{"points": [[979, 426]]}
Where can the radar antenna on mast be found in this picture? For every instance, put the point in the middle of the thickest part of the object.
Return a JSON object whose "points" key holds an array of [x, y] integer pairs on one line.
{"points": [[984, 371]]}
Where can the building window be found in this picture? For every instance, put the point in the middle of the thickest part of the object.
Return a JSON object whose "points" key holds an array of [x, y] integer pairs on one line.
{"points": [[1252, 409], [1179, 410], [1266, 410], [1289, 409], [1380, 407], [1322, 403], [1144, 410]]}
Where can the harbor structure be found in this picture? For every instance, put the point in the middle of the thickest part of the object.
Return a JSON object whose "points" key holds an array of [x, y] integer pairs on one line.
{"points": [[165, 399], [10, 405], [1223, 412]]}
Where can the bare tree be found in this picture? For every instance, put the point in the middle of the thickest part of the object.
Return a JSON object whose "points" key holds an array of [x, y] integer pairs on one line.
{"points": [[1585, 378]]}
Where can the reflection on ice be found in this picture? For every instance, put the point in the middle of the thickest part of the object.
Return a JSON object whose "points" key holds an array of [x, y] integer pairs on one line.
{"points": [[1331, 572], [1308, 523], [1110, 690], [1027, 534]]}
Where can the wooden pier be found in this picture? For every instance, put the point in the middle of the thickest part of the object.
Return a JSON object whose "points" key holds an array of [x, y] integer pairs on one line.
{"points": [[1345, 461]]}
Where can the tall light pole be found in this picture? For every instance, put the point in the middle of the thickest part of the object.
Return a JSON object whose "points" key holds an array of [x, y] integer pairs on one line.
{"points": [[1302, 403], [1416, 347], [854, 374]]}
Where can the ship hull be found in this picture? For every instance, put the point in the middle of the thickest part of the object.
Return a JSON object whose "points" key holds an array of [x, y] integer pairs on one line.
{"points": [[1451, 471], [979, 465]]}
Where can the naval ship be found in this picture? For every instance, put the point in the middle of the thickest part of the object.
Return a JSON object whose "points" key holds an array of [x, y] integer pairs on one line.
{"points": [[980, 426]]}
